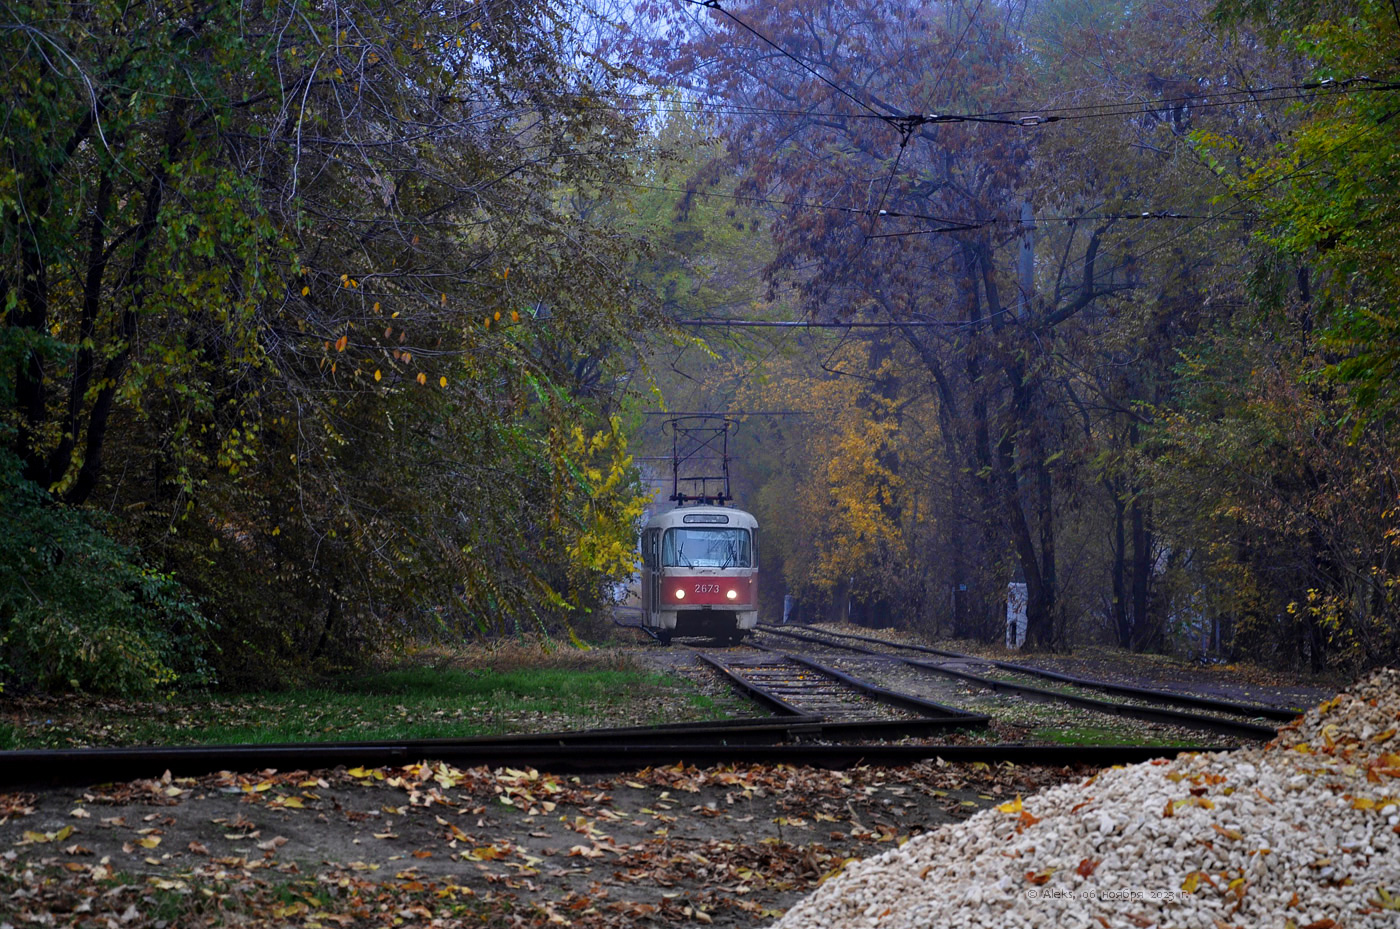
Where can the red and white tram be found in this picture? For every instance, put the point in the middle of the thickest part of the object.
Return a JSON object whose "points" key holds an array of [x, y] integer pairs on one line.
{"points": [[700, 573]]}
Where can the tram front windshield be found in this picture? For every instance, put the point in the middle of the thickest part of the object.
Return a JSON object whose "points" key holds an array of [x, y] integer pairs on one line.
{"points": [[706, 548]]}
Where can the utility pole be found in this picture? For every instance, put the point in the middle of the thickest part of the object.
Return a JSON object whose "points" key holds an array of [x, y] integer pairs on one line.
{"points": [[1027, 257]]}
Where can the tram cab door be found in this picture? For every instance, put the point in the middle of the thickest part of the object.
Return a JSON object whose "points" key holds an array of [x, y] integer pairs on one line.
{"points": [[650, 580]]}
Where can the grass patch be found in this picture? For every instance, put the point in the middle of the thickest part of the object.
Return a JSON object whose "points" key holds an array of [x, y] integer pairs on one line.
{"points": [[407, 702], [1090, 735]]}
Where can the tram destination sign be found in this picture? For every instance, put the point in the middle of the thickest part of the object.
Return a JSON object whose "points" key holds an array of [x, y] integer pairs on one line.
{"points": [[718, 518]]}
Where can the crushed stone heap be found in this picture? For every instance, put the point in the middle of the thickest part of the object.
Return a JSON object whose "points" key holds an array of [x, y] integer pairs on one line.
{"points": [[1303, 833]]}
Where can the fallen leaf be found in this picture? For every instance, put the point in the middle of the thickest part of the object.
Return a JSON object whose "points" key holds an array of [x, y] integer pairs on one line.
{"points": [[1013, 806], [583, 851]]}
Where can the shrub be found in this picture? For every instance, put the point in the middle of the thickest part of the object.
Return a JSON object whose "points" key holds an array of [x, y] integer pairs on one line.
{"points": [[78, 611]]}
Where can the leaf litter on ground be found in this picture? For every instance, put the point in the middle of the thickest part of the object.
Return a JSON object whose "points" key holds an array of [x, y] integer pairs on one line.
{"points": [[432, 844]]}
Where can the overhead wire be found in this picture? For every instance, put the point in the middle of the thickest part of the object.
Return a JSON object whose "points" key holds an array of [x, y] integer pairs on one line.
{"points": [[987, 319], [908, 124], [1023, 117], [955, 224], [800, 204], [717, 7]]}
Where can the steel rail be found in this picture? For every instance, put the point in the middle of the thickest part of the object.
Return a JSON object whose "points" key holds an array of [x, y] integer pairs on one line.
{"points": [[908, 701], [81, 767], [934, 717], [1127, 690], [755, 692], [1230, 727]]}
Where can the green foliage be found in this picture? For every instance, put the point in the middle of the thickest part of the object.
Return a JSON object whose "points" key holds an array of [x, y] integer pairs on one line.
{"points": [[708, 248], [1291, 510], [1332, 190], [1277, 457], [79, 612], [339, 365]]}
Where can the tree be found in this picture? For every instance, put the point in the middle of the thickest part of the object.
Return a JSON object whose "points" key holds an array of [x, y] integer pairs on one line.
{"points": [[1329, 187], [302, 293], [882, 151]]}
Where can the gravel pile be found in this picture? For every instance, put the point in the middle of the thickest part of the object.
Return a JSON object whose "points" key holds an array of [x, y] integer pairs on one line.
{"points": [[1301, 834]]}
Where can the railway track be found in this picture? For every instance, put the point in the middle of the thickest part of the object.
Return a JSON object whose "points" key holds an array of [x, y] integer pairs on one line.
{"points": [[601, 752], [838, 705], [824, 717], [1239, 721], [1282, 714]]}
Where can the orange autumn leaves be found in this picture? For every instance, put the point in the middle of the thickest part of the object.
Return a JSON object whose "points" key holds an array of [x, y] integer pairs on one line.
{"points": [[1023, 817]]}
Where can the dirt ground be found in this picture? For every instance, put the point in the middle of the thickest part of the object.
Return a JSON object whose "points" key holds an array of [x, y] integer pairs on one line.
{"points": [[1241, 683], [432, 845]]}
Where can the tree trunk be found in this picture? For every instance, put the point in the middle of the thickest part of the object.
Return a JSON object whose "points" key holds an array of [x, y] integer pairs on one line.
{"points": [[1121, 624], [328, 628], [1145, 635], [1045, 503], [137, 285]]}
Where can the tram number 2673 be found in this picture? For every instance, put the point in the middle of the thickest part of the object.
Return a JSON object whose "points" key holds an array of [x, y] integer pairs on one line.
{"points": [[700, 573]]}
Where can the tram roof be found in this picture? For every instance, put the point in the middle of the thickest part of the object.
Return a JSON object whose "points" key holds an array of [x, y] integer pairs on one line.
{"points": [[703, 515]]}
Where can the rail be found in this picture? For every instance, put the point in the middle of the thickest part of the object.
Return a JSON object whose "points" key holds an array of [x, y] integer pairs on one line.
{"points": [[846, 722], [1126, 690], [1219, 725], [77, 767]]}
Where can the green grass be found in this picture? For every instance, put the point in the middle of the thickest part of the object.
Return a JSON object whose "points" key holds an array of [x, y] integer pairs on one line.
{"points": [[406, 703], [1090, 735]]}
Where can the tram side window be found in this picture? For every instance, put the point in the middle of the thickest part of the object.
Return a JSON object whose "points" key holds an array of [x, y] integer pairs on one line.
{"points": [[649, 548], [706, 548]]}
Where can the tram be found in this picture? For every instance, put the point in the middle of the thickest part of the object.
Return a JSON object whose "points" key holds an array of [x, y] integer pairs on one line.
{"points": [[700, 573]]}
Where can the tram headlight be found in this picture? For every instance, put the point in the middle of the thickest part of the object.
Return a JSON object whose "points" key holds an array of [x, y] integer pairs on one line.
{"points": [[680, 594], [733, 595]]}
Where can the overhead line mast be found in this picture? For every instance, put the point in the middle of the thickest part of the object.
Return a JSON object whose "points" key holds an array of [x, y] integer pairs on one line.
{"points": [[702, 448]]}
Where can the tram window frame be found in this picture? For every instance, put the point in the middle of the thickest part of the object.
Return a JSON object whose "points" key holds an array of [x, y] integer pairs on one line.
{"points": [[673, 558]]}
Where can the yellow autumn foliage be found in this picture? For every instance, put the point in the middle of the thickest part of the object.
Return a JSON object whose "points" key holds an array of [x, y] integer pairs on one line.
{"points": [[838, 505], [610, 501]]}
